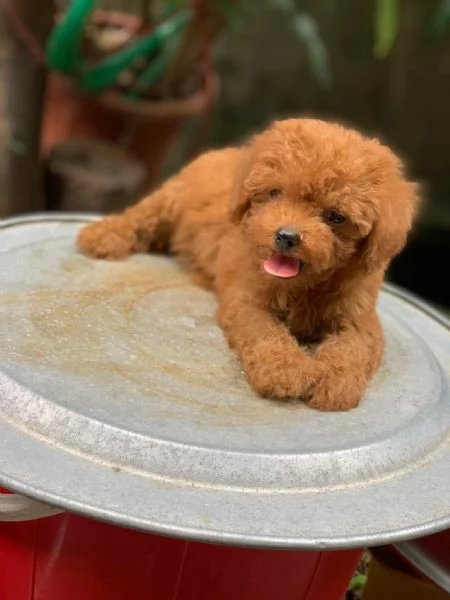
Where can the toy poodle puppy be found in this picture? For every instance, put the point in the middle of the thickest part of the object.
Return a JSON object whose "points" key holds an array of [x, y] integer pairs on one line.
{"points": [[294, 232]]}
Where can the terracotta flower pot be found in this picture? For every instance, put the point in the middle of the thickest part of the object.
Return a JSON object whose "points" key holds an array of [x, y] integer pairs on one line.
{"points": [[92, 176], [145, 128]]}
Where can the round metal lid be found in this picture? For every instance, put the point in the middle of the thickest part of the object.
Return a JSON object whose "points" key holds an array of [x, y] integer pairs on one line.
{"points": [[120, 400]]}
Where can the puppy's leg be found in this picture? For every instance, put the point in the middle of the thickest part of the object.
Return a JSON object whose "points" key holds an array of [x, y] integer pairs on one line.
{"points": [[348, 361], [270, 356], [142, 227]]}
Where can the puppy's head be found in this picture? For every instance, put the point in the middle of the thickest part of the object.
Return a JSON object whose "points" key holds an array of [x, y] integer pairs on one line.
{"points": [[313, 197]]}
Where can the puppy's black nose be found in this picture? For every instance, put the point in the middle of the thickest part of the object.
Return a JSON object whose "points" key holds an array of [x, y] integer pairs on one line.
{"points": [[286, 239]]}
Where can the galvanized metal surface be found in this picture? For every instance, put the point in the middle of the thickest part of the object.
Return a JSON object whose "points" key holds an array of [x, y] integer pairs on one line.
{"points": [[119, 399], [14, 507]]}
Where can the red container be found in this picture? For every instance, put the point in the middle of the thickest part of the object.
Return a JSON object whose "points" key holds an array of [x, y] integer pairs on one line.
{"points": [[67, 557]]}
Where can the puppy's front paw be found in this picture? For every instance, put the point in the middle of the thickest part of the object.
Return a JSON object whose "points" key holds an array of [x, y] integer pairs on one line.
{"points": [[287, 381], [335, 393], [112, 238]]}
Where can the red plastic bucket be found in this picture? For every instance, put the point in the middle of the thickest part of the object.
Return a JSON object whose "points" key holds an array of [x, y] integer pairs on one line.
{"points": [[67, 557]]}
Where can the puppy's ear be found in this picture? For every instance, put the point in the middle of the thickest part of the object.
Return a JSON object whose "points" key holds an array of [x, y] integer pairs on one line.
{"points": [[240, 199], [388, 237]]}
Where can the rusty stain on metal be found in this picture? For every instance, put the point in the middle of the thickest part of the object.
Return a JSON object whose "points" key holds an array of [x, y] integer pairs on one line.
{"points": [[67, 328]]}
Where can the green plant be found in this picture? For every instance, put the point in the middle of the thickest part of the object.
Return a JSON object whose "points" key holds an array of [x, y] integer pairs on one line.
{"points": [[387, 18], [168, 46], [306, 28], [387, 15], [174, 46], [358, 582]]}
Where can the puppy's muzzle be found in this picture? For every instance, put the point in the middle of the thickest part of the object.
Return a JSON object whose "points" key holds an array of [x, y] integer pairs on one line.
{"points": [[286, 239]]}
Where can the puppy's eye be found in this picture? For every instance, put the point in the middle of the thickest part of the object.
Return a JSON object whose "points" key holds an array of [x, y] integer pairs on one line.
{"points": [[334, 217], [275, 193]]}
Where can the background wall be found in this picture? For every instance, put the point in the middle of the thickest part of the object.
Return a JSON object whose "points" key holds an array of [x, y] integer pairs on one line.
{"points": [[404, 98]]}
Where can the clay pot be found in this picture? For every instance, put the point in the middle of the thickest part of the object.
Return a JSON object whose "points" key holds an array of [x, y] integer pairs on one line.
{"points": [[91, 176], [146, 129]]}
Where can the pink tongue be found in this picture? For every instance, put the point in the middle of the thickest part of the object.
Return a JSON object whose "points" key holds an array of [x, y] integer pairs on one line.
{"points": [[282, 266]]}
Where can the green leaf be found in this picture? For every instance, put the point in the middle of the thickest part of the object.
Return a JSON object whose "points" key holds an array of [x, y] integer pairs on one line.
{"points": [[170, 6], [287, 6], [65, 40], [440, 21], [307, 31], [358, 582], [106, 72], [16, 146], [156, 68], [387, 13]]}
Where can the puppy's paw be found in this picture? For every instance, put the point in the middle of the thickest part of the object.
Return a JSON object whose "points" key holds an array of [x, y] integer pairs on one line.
{"points": [[335, 393], [291, 380], [112, 238]]}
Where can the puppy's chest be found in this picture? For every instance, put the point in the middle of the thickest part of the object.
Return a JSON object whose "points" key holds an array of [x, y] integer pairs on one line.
{"points": [[304, 321]]}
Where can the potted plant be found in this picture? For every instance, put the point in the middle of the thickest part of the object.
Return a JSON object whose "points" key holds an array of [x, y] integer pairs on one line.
{"points": [[131, 80]]}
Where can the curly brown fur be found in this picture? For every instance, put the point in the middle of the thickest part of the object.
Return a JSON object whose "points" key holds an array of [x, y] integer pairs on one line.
{"points": [[221, 215]]}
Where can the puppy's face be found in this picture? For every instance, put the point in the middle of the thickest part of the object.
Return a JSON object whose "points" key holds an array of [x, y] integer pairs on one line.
{"points": [[313, 197]]}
